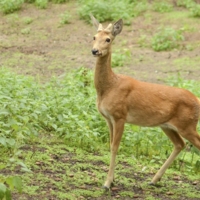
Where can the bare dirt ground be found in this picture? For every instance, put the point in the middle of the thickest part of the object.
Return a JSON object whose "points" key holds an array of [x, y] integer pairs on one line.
{"points": [[43, 48]]}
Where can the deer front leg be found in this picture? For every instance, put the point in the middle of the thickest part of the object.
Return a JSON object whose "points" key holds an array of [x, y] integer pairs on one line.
{"points": [[110, 131], [118, 128]]}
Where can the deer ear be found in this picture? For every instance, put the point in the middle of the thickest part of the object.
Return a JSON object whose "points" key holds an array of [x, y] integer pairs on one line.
{"points": [[117, 27], [94, 21]]}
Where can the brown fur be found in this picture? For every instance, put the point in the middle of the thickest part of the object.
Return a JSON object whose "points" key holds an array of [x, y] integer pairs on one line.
{"points": [[122, 99]]}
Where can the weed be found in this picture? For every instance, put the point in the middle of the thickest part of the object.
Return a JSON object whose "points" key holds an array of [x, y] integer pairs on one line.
{"points": [[139, 7], [195, 10], [26, 31], [112, 10], [105, 10], [65, 18], [143, 42], [8, 184], [59, 1], [162, 7], [42, 4], [29, 1], [28, 109], [185, 3], [27, 20], [166, 39], [10, 6], [120, 57]]}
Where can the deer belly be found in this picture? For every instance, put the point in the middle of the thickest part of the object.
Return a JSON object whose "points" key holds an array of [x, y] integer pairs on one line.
{"points": [[143, 119]]}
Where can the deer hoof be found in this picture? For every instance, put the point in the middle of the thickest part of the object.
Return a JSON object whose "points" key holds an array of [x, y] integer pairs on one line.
{"points": [[105, 187]]}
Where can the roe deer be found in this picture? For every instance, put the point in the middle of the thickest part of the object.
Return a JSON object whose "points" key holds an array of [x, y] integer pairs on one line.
{"points": [[122, 99]]}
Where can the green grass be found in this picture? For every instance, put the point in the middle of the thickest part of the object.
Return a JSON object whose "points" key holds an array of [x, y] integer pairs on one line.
{"points": [[112, 10], [58, 140], [166, 39], [60, 171], [162, 6], [120, 57], [10, 6], [65, 18], [42, 4]]}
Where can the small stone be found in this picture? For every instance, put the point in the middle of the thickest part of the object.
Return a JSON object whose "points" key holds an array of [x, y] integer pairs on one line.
{"points": [[169, 193], [114, 188], [176, 178], [58, 179], [66, 159], [195, 183], [83, 187]]}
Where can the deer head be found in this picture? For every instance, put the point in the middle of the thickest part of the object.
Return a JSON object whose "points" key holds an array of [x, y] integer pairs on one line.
{"points": [[103, 39]]}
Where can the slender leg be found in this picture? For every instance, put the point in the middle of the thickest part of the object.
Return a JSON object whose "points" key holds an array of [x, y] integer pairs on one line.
{"points": [[118, 128], [111, 131], [193, 137], [178, 146]]}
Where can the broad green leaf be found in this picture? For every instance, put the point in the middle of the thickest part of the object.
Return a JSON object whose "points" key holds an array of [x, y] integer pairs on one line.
{"points": [[2, 188], [3, 141], [17, 183], [9, 181], [2, 191], [8, 194], [2, 166], [11, 141]]}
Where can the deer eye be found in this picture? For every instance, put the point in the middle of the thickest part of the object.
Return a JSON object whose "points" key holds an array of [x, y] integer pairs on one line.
{"points": [[94, 38], [108, 40]]}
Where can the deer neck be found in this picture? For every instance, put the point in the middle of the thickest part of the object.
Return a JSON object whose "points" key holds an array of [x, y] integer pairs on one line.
{"points": [[104, 76]]}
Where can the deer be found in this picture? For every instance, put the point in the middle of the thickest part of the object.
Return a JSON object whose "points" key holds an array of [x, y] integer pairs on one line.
{"points": [[122, 99]]}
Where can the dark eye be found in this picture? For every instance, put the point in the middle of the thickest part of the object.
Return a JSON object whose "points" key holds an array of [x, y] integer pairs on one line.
{"points": [[94, 38], [108, 40]]}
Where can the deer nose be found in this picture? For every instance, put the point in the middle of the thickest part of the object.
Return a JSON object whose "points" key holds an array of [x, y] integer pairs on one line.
{"points": [[95, 51]]}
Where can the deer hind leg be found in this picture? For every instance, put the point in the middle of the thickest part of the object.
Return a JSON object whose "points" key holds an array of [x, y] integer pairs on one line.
{"points": [[178, 146], [118, 128], [193, 137]]}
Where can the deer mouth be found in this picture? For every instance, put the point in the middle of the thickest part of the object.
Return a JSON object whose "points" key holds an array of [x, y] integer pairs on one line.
{"points": [[98, 55]]}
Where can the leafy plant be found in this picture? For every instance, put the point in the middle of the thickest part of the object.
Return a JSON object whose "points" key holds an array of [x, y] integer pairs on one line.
{"points": [[139, 7], [105, 10], [59, 1], [120, 57], [65, 18], [185, 3], [29, 1], [166, 39], [27, 20], [27, 109], [26, 31], [142, 41], [11, 183], [162, 6], [195, 10], [42, 4], [65, 107], [10, 6]]}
